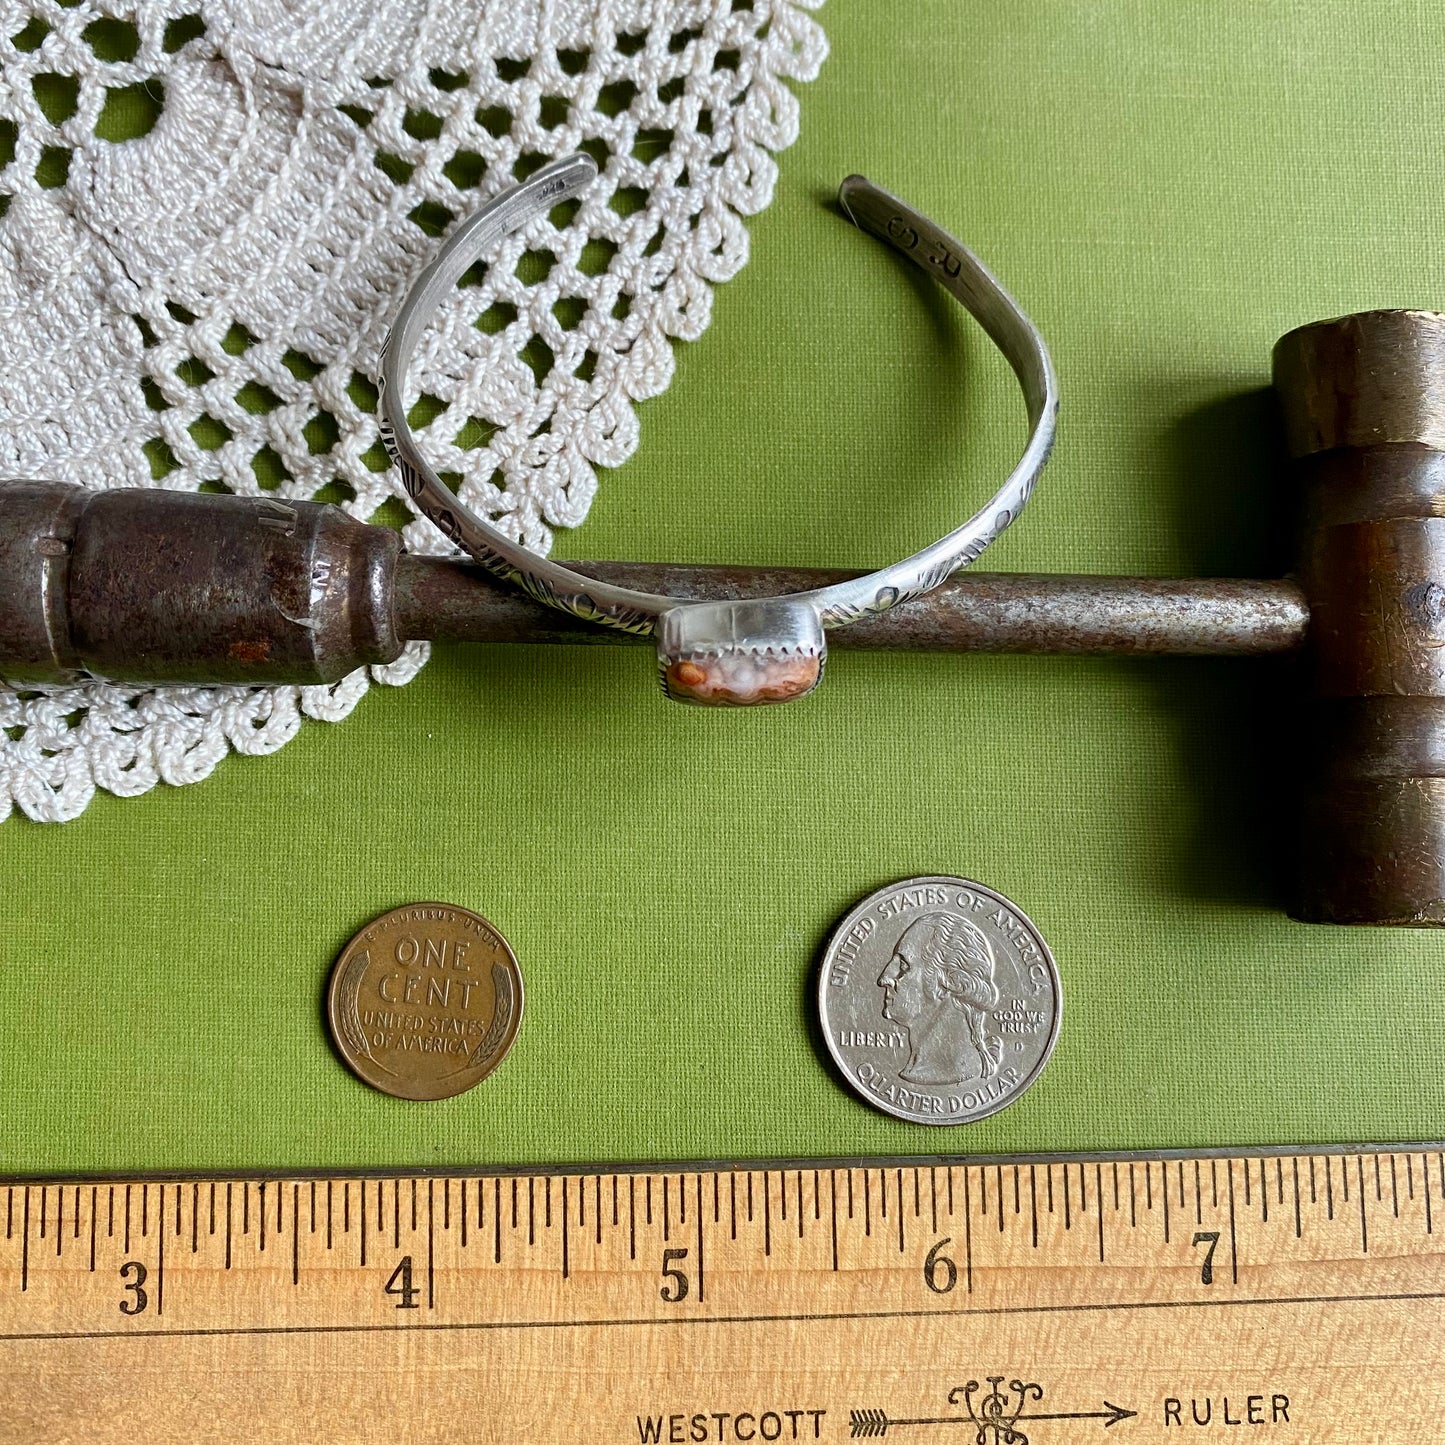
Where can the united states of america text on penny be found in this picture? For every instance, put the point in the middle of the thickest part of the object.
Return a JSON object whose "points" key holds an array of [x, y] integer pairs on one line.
{"points": [[939, 1000], [425, 1001]]}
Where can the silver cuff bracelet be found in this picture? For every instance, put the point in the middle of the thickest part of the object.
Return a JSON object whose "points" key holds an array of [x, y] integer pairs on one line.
{"points": [[719, 653]]}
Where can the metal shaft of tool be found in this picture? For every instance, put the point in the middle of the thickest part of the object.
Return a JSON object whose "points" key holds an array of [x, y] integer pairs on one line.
{"points": [[446, 601], [159, 587]]}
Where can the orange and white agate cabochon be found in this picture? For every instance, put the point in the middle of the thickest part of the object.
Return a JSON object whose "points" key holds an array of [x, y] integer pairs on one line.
{"points": [[740, 654]]}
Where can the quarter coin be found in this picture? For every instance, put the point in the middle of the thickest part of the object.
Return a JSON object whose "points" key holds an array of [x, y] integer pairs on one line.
{"points": [[939, 1000], [425, 1001]]}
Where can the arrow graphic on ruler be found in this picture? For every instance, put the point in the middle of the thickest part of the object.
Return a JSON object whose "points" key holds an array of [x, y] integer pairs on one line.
{"points": [[873, 1424]]}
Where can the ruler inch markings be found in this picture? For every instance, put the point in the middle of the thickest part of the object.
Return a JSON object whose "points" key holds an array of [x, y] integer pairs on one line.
{"points": [[1233, 1237], [869, 1266], [161, 1258], [833, 1215], [1099, 1195], [967, 1232], [1034, 1204], [901, 1213], [1364, 1224], [701, 1280]]}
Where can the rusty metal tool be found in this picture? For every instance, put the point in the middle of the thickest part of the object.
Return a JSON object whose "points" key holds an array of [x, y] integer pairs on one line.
{"points": [[161, 587]]}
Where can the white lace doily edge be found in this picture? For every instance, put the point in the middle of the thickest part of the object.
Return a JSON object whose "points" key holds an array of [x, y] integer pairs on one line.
{"points": [[129, 742]]}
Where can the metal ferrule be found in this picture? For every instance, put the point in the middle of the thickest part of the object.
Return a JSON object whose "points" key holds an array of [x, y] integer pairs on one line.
{"points": [[166, 587], [40, 520]]}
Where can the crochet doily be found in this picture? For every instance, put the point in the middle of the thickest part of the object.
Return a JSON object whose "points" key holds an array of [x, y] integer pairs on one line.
{"points": [[210, 211]]}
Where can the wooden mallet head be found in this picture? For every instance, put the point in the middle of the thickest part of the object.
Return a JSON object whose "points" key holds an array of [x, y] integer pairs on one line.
{"points": [[1364, 407]]}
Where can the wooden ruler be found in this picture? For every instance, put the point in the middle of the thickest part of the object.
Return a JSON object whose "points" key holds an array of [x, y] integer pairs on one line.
{"points": [[1281, 1296]]}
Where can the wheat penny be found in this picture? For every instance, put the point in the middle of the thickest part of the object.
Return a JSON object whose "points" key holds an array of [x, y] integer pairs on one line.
{"points": [[425, 1001]]}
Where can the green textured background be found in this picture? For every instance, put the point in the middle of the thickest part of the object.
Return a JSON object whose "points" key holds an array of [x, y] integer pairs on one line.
{"points": [[1167, 188]]}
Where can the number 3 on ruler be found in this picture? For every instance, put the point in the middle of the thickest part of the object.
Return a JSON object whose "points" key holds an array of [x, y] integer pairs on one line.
{"points": [[133, 1267]]}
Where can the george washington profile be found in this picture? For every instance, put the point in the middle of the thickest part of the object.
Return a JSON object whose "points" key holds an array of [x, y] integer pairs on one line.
{"points": [[939, 985]]}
